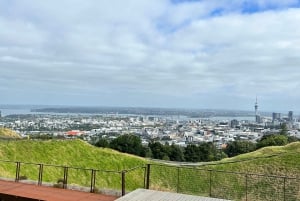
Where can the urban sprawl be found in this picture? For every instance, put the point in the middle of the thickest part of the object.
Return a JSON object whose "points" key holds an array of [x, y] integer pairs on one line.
{"points": [[164, 129]]}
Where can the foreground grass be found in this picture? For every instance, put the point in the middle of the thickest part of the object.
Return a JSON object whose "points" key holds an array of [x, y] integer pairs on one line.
{"points": [[271, 173], [71, 153], [243, 177]]}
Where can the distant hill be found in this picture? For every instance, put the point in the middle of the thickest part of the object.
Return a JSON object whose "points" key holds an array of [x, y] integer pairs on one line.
{"points": [[7, 133]]}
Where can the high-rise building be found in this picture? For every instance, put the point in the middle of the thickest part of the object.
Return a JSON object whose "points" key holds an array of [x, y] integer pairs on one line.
{"points": [[234, 123], [290, 116], [275, 116]]}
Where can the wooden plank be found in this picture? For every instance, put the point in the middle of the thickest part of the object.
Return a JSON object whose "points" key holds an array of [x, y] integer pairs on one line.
{"points": [[21, 190], [151, 195]]}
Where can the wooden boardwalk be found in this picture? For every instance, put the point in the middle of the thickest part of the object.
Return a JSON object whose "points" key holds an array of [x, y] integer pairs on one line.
{"points": [[19, 191], [151, 195]]}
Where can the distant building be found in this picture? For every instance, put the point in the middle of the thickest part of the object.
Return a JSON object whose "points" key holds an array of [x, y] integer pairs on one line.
{"points": [[290, 116], [258, 119], [234, 123], [0, 114], [275, 116]]}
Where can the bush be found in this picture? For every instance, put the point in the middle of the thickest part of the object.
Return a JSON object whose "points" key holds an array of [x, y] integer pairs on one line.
{"points": [[272, 140]]}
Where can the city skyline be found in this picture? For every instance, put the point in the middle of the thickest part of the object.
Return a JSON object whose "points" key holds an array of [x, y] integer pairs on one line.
{"points": [[208, 54]]}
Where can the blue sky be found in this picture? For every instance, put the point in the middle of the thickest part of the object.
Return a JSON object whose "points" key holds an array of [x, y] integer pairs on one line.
{"points": [[158, 53]]}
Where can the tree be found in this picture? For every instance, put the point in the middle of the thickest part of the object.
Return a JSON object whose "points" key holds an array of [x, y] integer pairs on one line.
{"points": [[272, 140], [128, 143], [102, 143], [239, 147], [176, 153], [191, 153], [158, 150]]}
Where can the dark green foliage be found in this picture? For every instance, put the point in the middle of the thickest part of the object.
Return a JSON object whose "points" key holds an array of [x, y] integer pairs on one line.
{"points": [[272, 140], [128, 144], [102, 143], [191, 153], [239, 147], [176, 153], [158, 150], [292, 139], [202, 152]]}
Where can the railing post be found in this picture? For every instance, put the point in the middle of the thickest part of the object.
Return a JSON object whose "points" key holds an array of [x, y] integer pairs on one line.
{"points": [[18, 166], [210, 183], [93, 181], [246, 186], [177, 180], [40, 181], [148, 177], [65, 184], [284, 188], [123, 182]]}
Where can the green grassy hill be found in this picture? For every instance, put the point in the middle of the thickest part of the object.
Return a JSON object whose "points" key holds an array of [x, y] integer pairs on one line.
{"points": [[275, 160], [72, 153], [271, 173], [217, 179]]}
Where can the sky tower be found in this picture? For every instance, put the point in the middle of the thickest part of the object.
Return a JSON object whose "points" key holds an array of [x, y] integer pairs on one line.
{"points": [[256, 107], [257, 117]]}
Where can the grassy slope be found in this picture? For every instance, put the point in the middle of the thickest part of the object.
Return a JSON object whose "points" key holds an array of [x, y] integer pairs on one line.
{"points": [[277, 160], [7, 133], [281, 160], [271, 160], [73, 153]]}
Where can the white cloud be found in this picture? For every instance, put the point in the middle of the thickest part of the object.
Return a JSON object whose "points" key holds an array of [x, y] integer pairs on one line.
{"points": [[152, 48]]}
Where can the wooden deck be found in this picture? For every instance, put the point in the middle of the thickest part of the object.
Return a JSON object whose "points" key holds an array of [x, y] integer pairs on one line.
{"points": [[19, 191], [151, 195]]}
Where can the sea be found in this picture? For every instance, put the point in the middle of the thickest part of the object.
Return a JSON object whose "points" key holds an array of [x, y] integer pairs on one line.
{"points": [[22, 110]]}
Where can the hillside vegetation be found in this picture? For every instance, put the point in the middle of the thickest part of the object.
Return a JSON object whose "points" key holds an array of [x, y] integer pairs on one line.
{"points": [[270, 173], [274, 160], [72, 153], [214, 179], [7, 133]]}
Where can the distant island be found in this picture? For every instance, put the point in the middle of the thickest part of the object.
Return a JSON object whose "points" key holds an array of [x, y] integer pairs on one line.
{"points": [[192, 113]]}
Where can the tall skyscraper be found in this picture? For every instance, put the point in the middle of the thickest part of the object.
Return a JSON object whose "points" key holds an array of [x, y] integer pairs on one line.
{"points": [[275, 116], [290, 116]]}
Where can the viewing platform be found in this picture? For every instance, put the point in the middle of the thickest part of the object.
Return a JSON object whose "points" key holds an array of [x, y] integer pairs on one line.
{"points": [[13, 191], [17, 191]]}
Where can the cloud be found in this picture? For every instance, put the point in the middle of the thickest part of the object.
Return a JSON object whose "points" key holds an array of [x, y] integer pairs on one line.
{"points": [[149, 50]]}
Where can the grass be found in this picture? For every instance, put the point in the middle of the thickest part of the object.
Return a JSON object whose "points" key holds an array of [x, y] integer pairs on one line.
{"points": [[271, 173], [72, 153], [7, 133]]}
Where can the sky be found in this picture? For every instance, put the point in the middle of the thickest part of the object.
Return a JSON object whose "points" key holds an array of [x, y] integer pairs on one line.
{"points": [[206, 54]]}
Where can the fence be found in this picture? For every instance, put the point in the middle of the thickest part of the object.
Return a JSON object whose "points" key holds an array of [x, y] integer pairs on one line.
{"points": [[223, 184], [180, 179], [92, 180]]}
